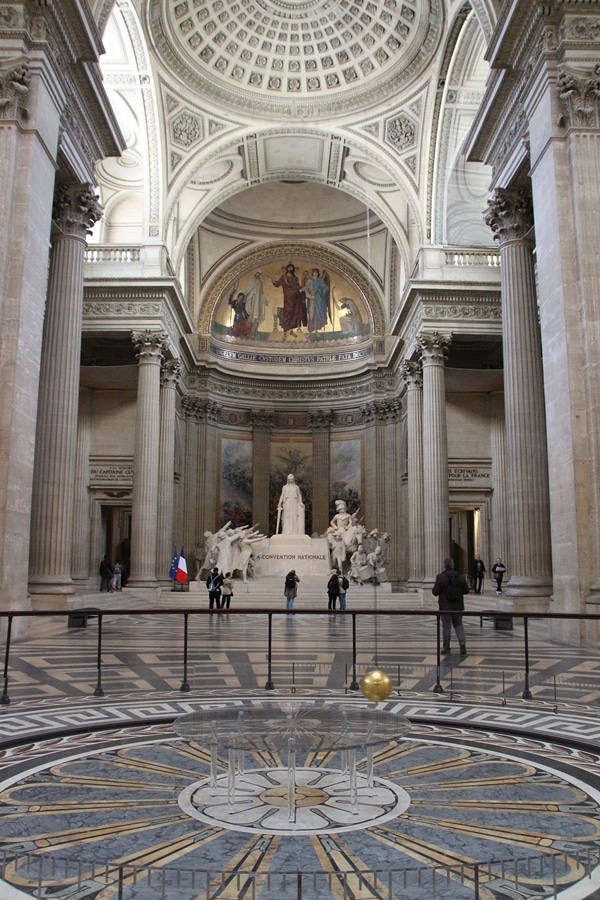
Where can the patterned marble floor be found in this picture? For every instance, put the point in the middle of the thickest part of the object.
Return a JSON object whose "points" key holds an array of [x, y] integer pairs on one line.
{"points": [[97, 792]]}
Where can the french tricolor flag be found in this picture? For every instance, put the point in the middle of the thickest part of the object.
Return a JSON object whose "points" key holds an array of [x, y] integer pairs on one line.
{"points": [[182, 573]]}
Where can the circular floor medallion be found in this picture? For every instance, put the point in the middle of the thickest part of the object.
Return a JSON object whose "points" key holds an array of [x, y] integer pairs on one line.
{"points": [[322, 802]]}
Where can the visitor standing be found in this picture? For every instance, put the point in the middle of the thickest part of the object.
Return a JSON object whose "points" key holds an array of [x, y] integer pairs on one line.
{"points": [[477, 573], [226, 591], [333, 592], [450, 588], [106, 574], [117, 576], [498, 570], [344, 585], [290, 589]]}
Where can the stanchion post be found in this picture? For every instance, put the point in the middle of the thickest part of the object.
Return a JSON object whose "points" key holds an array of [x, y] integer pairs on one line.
{"points": [[527, 695], [437, 688], [99, 692], [354, 683], [184, 684], [4, 699], [269, 686]]}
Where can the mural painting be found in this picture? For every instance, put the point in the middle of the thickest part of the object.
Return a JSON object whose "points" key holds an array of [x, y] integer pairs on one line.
{"points": [[291, 458], [235, 503], [292, 301], [346, 474]]}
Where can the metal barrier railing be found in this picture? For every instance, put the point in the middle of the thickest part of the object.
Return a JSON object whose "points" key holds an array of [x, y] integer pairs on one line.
{"points": [[549, 872], [441, 675]]}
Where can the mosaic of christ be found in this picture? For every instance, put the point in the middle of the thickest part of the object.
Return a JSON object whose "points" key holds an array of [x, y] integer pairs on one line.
{"points": [[292, 301]]}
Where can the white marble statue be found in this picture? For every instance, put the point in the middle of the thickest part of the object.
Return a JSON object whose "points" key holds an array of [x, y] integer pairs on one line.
{"points": [[290, 509], [230, 549]]}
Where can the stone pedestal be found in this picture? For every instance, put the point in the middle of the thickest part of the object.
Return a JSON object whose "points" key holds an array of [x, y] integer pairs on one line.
{"points": [[282, 552]]}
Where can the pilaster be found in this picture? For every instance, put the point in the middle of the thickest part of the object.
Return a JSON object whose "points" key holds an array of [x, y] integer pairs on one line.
{"points": [[263, 422], [412, 374], [144, 516], [170, 375], [320, 424]]}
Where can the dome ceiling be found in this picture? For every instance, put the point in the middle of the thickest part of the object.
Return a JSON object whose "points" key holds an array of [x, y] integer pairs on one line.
{"points": [[258, 54]]}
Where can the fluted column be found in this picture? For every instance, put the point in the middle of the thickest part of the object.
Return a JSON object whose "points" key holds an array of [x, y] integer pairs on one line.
{"points": [[500, 543], [81, 530], [413, 378], [262, 425], [435, 454], [149, 346], [510, 218], [170, 374], [76, 211], [320, 423]]}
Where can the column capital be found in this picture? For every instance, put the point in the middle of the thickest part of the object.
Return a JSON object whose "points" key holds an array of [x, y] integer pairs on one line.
{"points": [[434, 346], [320, 420], [509, 215], [76, 209], [262, 419], [149, 345], [195, 408], [411, 372], [171, 372], [579, 94]]}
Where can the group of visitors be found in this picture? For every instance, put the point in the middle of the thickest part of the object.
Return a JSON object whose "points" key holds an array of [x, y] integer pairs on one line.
{"points": [[220, 590], [111, 577], [478, 574]]}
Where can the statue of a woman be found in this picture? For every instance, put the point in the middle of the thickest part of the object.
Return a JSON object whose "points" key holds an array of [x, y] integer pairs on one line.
{"points": [[290, 509]]}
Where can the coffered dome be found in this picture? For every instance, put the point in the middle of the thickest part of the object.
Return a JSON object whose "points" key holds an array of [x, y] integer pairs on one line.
{"points": [[333, 56]]}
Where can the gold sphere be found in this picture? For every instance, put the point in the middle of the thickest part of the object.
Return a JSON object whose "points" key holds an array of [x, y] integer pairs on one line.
{"points": [[376, 686]]}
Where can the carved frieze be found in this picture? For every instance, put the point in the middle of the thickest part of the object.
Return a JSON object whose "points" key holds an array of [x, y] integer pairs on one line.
{"points": [[121, 309], [460, 310]]}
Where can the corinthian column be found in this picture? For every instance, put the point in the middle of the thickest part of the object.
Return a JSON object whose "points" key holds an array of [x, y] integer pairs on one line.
{"points": [[529, 564], [149, 346], [170, 375], [435, 454], [413, 378], [76, 211], [320, 424]]}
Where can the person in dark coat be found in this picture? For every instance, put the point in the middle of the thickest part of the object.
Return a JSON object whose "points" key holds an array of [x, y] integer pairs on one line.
{"points": [[333, 592], [450, 589], [477, 573]]}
